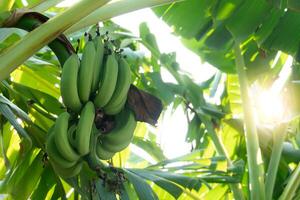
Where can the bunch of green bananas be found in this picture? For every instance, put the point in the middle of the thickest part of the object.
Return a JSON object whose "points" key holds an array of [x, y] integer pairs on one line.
{"points": [[101, 77], [69, 143], [99, 81]]}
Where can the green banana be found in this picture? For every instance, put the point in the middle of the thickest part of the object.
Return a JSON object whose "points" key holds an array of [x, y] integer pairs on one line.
{"points": [[85, 77], [126, 124], [117, 101], [102, 153], [99, 45], [68, 85], [120, 137], [112, 110], [109, 147], [108, 82], [61, 137], [54, 154], [84, 128], [93, 158], [72, 135], [68, 172]]}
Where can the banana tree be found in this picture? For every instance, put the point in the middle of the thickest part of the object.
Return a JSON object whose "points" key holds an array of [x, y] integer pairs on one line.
{"points": [[55, 144]]}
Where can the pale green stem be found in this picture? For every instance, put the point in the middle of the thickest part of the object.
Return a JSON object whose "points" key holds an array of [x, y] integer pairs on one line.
{"points": [[114, 9], [41, 36], [42, 7], [292, 186], [255, 163], [278, 139]]}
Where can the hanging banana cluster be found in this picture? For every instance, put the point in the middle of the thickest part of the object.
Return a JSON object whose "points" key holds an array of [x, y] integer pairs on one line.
{"points": [[100, 81]]}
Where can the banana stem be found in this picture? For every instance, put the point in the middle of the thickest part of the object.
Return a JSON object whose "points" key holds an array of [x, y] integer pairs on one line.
{"points": [[41, 36], [292, 186], [256, 170], [42, 7], [278, 139], [114, 9]]}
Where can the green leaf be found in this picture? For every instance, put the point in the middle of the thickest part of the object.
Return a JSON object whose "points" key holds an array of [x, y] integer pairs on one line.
{"points": [[196, 21], [6, 136], [47, 102], [124, 195], [184, 181], [17, 171], [128, 188], [30, 179], [150, 147], [268, 24], [9, 115], [9, 36], [59, 192], [287, 27], [167, 185], [37, 78], [141, 187], [220, 38], [103, 192], [46, 182], [246, 25], [159, 88], [19, 112], [148, 38], [217, 193], [194, 132]]}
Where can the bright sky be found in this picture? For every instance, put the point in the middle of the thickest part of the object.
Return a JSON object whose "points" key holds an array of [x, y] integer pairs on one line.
{"points": [[172, 130]]}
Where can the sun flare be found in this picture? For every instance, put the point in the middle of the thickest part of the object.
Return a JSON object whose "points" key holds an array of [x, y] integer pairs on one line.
{"points": [[269, 106]]}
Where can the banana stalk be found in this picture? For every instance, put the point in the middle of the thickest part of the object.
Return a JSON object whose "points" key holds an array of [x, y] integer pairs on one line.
{"points": [[44, 34], [42, 7], [256, 171], [114, 9]]}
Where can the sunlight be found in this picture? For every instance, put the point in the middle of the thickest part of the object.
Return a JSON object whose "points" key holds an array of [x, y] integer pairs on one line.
{"points": [[269, 106]]}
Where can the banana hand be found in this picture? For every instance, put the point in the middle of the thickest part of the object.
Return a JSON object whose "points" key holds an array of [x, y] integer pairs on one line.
{"points": [[98, 62], [86, 71], [55, 156], [108, 82], [84, 128], [61, 138], [68, 83], [102, 153], [67, 172], [120, 137], [72, 135], [118, 99]]}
